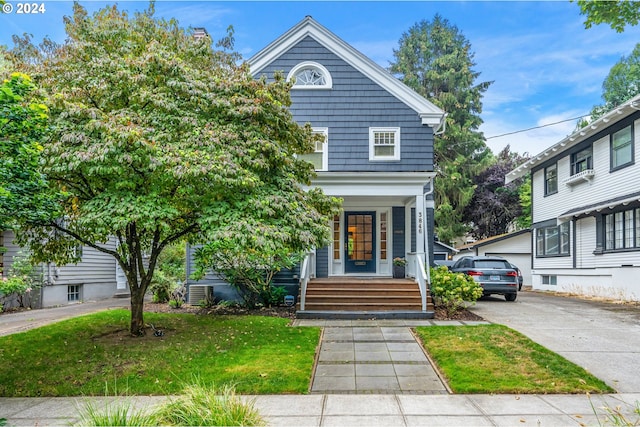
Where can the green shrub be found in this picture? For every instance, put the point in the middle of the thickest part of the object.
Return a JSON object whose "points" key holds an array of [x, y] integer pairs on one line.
{"points": [[451, 290], [118, 413], [161, 287], [21, 281]]}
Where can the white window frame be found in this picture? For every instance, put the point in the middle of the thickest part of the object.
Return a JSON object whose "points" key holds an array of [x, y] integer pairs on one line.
{"points": [[396, 145], [325, 148], [328, 81]]}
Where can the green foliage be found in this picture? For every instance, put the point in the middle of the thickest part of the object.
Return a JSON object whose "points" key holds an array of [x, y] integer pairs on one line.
{"points": [[621, 84], [200, 404], [120, 412], [435, 60], [24, 194], [617, 13], [161, 286], [453, 290], [524, 193], [159, 138], [21, 280], [197, 405], [250, 270]]}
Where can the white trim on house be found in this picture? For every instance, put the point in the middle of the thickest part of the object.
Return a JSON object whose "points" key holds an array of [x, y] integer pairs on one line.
{"points": [[578, 136], [328, 81], [428, 112], [394, 184]]}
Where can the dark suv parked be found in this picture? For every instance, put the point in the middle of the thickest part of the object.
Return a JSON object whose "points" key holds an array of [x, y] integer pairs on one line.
{"points": [[494, 274]]}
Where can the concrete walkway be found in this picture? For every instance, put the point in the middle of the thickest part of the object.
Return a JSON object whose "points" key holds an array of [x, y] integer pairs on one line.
{"points": [[374, 357]]}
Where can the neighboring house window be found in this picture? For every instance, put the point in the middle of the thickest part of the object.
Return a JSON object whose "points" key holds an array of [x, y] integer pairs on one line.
{"points": [[336, 238], [320, 157], [73, 293], [551, 179], [622, 230], [553, 240], [384, 143], [582, 160], [310, 75], [383, 236], [550, 280], [622, 148]]}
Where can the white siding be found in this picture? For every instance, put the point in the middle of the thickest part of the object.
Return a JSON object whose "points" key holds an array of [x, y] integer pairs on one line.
{"points": [[96, 273], [605, 185]]}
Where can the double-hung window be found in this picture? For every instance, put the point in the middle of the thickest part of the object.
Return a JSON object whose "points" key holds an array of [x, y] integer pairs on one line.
{"points": [[320, 156], [622, 148], [384, 143], [553, 240], [551, 179], [582, 160]]}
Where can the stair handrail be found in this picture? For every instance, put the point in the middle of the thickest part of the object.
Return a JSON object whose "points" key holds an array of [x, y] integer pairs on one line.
{"points": [[422, 279], [419, 274], [305, 275]]}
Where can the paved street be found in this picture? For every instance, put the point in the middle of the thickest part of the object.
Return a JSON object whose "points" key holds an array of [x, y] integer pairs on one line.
{"points": [[603, 338]]}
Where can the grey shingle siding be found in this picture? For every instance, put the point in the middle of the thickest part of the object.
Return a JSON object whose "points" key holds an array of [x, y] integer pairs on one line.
{"points": [[354, 104]]}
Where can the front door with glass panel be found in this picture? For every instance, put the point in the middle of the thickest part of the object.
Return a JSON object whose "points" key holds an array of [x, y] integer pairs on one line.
{"points": [[360, 242]]}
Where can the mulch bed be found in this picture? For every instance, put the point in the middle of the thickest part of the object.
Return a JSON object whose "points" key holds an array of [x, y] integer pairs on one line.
{"points": [[284, 312]]}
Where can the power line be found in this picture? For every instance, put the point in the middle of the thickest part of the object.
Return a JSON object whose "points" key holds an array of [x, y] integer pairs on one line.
{"points": [[536, 127]]}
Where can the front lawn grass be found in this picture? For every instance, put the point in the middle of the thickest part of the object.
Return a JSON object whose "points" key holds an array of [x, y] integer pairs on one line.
{"points": [[94, 355], [496, 359]]}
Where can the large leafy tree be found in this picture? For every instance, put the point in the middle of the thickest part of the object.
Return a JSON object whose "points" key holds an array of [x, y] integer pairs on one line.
{"points": [[621, 84], [495, 206], [435, 59], [157, 138], [617, 13], [23, 127]]}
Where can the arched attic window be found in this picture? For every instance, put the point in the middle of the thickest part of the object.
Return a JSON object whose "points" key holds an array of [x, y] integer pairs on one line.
{"points": [[310, 75]]}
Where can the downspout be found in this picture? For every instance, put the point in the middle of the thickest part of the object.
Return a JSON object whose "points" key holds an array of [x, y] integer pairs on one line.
{"points": [[442, 127], [427, 265]]}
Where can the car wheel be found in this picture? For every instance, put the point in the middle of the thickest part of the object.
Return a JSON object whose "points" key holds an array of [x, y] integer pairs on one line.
{"points": [[510, 297]]}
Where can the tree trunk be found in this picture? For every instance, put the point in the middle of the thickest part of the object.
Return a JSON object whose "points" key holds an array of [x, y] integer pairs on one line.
{"points": [[137, 311]]}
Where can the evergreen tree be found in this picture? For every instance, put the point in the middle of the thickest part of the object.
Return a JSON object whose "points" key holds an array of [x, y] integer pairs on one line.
{"points": [[435, 60]]}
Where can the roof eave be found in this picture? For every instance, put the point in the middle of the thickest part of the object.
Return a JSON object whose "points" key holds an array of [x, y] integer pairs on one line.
{"points": [[613, 116]]}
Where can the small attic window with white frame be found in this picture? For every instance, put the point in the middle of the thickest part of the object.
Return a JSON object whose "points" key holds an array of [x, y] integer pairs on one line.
{"points": [[310, 75]]}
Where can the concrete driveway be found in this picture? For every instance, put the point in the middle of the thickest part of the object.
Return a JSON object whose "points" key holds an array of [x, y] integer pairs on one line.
{"points": [[603, 338]]}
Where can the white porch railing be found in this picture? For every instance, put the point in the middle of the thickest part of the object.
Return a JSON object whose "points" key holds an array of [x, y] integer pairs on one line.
{"points": [[416, 270], [308, 266]]}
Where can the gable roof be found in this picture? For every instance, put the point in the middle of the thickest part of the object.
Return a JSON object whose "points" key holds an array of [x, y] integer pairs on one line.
{"points": [[308, 27], [621, 112]]}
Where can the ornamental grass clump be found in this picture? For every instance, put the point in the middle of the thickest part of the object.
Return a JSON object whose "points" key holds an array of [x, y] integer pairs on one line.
{"points": [[453, 291], [207, 405]]}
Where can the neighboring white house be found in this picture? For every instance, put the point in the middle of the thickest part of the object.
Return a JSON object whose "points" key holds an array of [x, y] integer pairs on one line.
{"points": [[94, 277], [514, 247], [586, 208]]}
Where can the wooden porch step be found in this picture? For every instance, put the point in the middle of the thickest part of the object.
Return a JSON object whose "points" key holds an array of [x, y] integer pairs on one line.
{"points": [[368, 297]]}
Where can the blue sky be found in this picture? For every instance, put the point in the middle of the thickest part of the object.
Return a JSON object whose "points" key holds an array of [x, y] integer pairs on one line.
{"points": [[546, 67]]}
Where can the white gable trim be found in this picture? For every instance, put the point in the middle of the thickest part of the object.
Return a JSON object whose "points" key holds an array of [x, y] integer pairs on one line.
{"points": [[428, 112]]}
